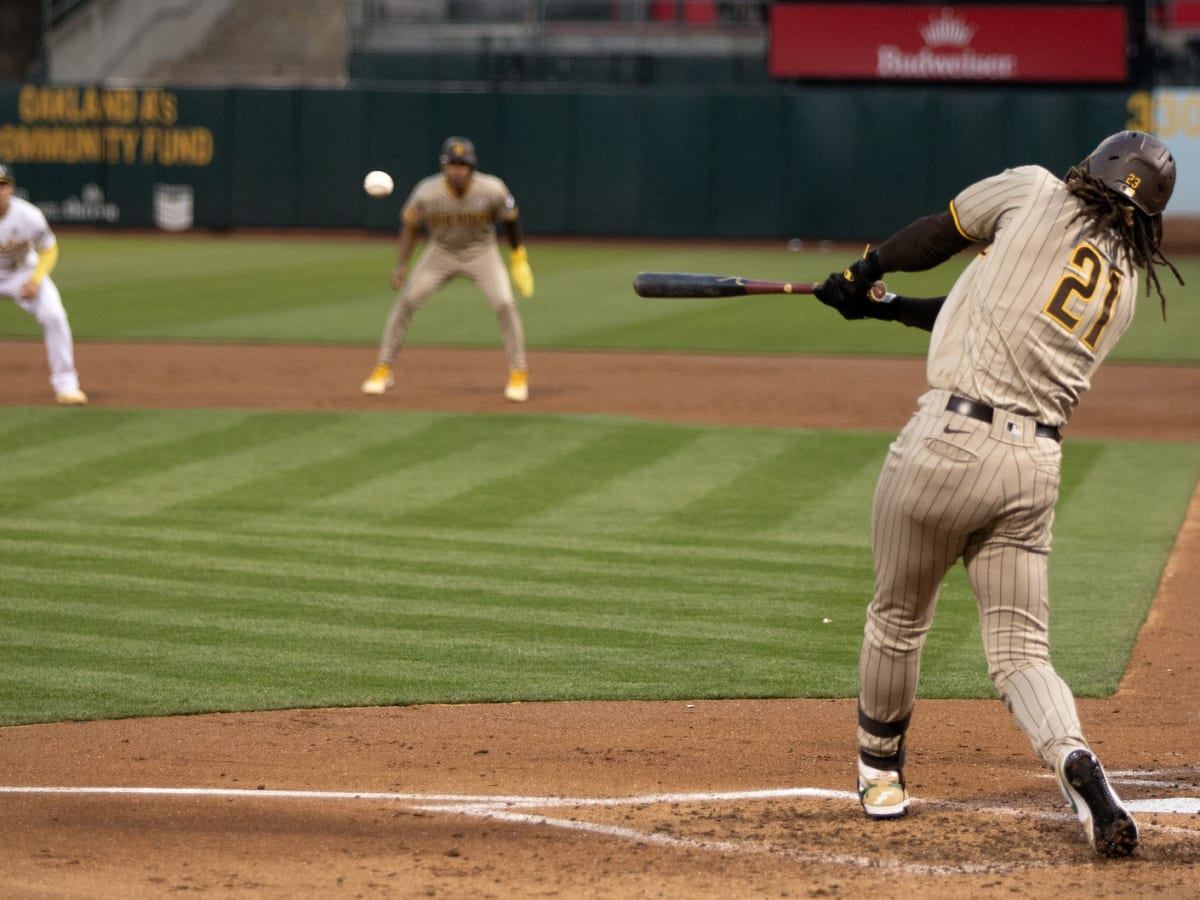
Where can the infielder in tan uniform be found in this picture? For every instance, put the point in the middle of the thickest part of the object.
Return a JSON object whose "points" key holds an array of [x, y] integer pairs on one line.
{"points": [[974, 474], [28, 254], [458, 209]]}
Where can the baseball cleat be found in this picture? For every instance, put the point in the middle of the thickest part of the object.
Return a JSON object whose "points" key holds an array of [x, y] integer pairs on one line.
{"points": [[517, 389], [881, 792], [381, 379], [1109, 827], [71, 398]]}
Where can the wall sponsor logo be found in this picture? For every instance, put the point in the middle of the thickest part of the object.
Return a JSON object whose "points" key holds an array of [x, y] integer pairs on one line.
{"points": [[970, 42], [75, 125], [945, 32], [90, 207], [174, 206]]}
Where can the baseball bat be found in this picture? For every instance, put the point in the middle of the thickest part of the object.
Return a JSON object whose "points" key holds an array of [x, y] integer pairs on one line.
{"points": [[690, 284]]}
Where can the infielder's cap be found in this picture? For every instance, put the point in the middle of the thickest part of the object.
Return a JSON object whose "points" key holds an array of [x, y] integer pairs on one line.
{"points": [[458, 150], [6, 175]]}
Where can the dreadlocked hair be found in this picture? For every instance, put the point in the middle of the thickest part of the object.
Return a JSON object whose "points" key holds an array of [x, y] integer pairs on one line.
{"points": [[1140, 234]]}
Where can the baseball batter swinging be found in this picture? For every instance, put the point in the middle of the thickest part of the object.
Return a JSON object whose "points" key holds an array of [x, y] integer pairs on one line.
{"points": [[974, 475], [28, 254], [458, 209]]}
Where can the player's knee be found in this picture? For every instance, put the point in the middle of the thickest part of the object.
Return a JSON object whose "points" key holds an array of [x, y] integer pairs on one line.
{"points": [[50, 318]]}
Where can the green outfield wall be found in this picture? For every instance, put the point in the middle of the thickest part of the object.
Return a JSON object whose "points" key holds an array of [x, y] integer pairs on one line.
{"points": [[814, 162]]}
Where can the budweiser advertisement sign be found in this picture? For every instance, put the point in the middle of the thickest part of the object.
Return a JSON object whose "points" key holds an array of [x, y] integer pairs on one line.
{"points": [[915, 42]]}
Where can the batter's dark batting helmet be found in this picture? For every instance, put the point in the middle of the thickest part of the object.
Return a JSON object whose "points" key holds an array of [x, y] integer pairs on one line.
{"points": [[1138, 166], [457, 150], [6, 175]]}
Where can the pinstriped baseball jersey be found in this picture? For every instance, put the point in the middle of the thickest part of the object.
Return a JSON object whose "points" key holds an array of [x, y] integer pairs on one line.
{"points": [[1035, 313], [463, 225]]}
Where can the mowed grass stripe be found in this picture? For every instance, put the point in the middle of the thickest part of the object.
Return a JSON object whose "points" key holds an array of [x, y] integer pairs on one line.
{"points": [[355, 542], [621, 649], [500, 502], [574, 582], [471, 451], [447, 457], [461, 674], [661, 490], [414, 623], [772, 491], [324, 465], [838, 512], [417, 629], [25, 431], [122, 456], [78, 438], [218, 465]]}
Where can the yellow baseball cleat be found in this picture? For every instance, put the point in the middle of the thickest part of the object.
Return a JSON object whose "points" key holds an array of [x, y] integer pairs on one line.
{"points": [[71, 398], [517, 389], [380, 380]]}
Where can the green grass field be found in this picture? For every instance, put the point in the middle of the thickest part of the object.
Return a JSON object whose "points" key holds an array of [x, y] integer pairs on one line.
{"points": [[162, 562], [311, 290]]}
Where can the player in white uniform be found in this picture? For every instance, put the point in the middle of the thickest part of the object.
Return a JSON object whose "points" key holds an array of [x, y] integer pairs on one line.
{"points": [[974, 475], [28, 253], [458, 209]]}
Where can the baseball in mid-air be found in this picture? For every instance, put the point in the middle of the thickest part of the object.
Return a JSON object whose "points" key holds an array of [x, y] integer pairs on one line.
{"points": [[378, 184]]}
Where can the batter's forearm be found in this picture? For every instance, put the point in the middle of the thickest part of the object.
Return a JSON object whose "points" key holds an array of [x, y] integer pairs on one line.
{"points": [[918, 312], [915, 312]]}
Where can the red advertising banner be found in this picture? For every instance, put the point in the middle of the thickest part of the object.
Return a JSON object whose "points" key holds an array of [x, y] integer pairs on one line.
{"points": [[916, 42]]}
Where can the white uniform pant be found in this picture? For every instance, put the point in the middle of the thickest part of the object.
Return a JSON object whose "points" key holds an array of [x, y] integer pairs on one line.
{"points": [[47, 307]]}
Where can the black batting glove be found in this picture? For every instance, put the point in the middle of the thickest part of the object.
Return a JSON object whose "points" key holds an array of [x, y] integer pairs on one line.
{"points": [[843, 295], [847, 291]]}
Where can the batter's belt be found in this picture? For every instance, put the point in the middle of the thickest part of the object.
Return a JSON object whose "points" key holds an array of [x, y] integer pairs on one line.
{"points": [[985, 413]]}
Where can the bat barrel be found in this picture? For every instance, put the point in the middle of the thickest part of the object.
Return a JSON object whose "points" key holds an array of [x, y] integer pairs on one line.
{"points": [[691, 284], [686, 284]]}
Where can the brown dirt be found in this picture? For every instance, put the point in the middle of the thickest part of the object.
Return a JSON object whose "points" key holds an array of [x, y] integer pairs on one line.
{"points": [[598, 799]]}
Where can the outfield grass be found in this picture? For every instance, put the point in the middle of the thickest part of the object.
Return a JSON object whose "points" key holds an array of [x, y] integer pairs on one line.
{"points": [[334, 290], [184, 561]]}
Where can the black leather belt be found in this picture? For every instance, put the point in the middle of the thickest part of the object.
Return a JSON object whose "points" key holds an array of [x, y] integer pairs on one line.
{"points": [[985, 413]]}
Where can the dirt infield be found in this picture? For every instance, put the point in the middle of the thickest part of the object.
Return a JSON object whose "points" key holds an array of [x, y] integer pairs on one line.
{"points": [[675, 799]]}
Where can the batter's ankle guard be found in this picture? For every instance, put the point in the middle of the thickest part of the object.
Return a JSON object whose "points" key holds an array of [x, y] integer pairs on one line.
{"points": [[887, 731]]}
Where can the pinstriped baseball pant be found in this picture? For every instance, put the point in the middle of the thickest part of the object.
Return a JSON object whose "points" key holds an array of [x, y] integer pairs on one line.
{"points": [[435, 266], [952, 488]]}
